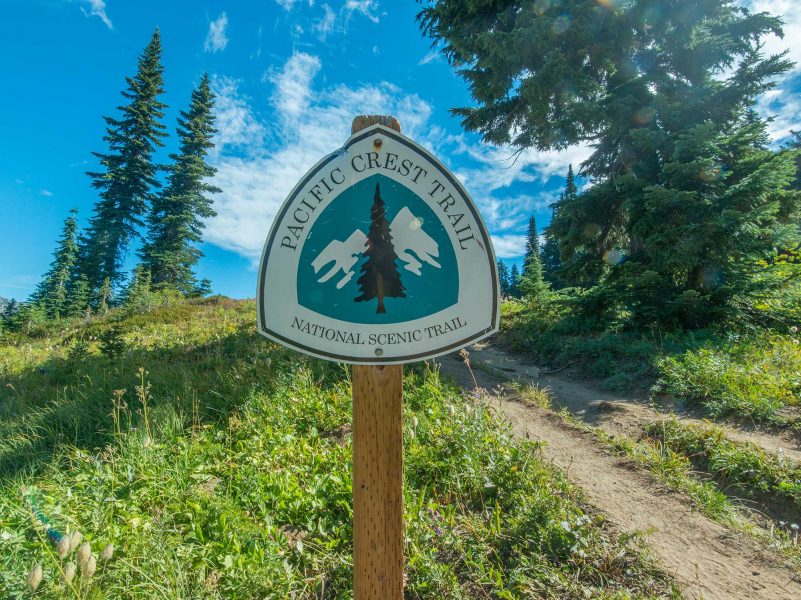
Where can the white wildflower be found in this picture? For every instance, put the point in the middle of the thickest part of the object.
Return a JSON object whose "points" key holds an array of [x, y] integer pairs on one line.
{"points": [[35, 577]]}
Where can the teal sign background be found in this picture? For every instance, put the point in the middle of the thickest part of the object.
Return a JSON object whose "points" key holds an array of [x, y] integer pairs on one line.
{"points": [[435, 289]]}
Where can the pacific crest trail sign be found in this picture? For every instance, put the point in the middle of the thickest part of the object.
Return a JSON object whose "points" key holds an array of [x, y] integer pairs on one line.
{"points": [[378, 256]]}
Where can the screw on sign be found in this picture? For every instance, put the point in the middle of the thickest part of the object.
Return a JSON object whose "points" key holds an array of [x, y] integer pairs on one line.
{"points": [[377, 258]]}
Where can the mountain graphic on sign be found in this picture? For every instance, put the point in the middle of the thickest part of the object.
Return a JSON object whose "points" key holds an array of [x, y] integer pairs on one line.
{"points": [[412, 245]]}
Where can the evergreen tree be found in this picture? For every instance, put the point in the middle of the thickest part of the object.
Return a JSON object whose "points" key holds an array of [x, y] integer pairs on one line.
{"points": [[551, 260], [514, 282], [175, 222], [503, 279], [684, 187], [79, 297], [105, 296], [128, 177], [380, 278], [138, 294], [531, 282], [51, 293]]}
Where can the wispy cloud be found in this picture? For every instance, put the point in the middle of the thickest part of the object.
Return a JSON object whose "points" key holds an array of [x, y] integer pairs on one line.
{"points": [[782, 103], [97, 8], [367, 8], [46, 193], [290, 4], [430, 57], [509, 245], [237, 127], [317, 121], [325, 25], [216, 39], [293, 85]]}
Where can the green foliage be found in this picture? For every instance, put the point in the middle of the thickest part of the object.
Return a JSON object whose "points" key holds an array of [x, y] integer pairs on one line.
{"points": [[129, 174], [175, 222], [550, 257], [504, 283], [741, 465], [242, 487], [79, 297], [688, 202], [514, 282], [52, 291], [744, 378], [531, 283]]}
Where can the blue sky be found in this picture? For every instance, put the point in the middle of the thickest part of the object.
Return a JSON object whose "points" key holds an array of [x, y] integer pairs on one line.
{"points": [[289, 75]]}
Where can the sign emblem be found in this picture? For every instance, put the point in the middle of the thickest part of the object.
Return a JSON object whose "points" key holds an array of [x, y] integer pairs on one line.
{"points": [[377, 256]]}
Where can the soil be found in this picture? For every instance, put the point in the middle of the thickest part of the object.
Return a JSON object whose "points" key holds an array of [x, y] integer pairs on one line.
{"points": [[709, 560]]}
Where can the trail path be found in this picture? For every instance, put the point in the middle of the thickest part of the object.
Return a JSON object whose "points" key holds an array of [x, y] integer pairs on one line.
{"points": [[712, 562], [620, 414]]}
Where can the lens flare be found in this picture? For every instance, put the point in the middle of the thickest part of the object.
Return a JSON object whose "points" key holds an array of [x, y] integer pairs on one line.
{"points": [[614, 257], [561, 24]]}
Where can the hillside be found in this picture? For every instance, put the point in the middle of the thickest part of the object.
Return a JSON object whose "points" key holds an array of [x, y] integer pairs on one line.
{"points": [[217, 464]]}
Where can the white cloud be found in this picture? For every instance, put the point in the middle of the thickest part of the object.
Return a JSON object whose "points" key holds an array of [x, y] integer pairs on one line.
{"points": [[255, 184], [216, 40], [366, 7], [97, 8], [237, 127], [46, 193], [325, 25], [290, 4], [430, 57], [509, 245], [293, 85], [782, 103]]}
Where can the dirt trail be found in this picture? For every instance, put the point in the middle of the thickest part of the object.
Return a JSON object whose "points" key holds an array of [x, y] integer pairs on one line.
{"points": [[616, 413], [713, 562]]}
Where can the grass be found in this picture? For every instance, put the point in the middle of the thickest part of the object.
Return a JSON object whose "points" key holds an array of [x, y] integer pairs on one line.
{"points": [[755, 376], [218, 465], [751, 378], [742, 467]]}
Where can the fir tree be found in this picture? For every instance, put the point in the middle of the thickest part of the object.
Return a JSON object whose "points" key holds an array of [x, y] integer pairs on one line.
{"points": [[514, 282], [380, 278], [105, 294], [531, 282], [551, 261], [503, 279], [175, 222], [128, 177], [684, 188], [138, 294], [51, 293], [79, 297]]}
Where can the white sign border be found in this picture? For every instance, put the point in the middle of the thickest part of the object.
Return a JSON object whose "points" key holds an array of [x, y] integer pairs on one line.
{"points": [[377, 360]]}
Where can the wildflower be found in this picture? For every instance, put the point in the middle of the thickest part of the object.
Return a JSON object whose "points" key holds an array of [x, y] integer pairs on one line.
{"points": [[84, 552], [89, 567], [451, 410], [794, 527], [411, 434], [63, 547], [415, 422], [794, 329], [69, 573], [35, 577], [75, 540], [565, 525], [108, 553]]}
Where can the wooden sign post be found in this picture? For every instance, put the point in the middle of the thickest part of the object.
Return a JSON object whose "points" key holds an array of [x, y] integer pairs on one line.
{"points": [[377, 467], [378, 258]]}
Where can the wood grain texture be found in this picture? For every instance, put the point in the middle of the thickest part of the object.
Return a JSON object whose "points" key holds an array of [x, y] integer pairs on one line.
{"points": [[377, 482], [363, 121], [377, 465]]}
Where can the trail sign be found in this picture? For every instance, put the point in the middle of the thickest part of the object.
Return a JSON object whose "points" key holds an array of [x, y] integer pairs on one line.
{"points": [[378, 256]]}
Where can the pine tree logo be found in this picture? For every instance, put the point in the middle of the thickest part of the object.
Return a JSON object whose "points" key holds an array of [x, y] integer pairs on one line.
{"points": [[379, 275]]}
